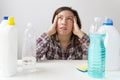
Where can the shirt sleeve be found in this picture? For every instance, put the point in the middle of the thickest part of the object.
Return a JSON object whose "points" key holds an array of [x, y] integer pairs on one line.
{"points": [[42, 46], [85, 41]]}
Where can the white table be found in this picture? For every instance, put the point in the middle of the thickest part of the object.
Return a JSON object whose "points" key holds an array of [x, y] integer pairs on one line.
{"points": [[59, 70]]}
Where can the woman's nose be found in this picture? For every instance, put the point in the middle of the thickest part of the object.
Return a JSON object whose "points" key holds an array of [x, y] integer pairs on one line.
{"points": [[64, 21]]}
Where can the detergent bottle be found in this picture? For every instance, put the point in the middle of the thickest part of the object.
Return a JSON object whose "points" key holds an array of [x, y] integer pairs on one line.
{"points": [[112, 44]]}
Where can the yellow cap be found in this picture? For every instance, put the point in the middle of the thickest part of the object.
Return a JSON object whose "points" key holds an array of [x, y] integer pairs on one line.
{"points": [[11, 21]]}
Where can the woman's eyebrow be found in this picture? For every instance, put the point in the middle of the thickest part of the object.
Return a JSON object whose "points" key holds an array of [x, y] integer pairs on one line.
{"points": [[70, 16], [65, 16]]}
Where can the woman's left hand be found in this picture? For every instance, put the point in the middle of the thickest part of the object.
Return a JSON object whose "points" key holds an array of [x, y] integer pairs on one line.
{"points": [[76, 30]]}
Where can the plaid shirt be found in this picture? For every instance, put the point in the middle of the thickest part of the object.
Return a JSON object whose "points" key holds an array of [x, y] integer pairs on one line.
{"points": [[48, 48]]}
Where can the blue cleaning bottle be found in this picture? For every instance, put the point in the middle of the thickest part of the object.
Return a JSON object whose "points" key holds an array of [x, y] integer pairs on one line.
{"points": [[96, 51], [96, 56]]}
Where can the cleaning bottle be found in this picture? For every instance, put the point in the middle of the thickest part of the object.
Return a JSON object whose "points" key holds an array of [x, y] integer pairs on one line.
{"points": [[112, 44], [96, 53], [8, 49]]}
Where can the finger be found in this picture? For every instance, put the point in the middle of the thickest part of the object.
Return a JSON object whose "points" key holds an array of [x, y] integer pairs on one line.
{"points": [[75, 19], [55, 20]]}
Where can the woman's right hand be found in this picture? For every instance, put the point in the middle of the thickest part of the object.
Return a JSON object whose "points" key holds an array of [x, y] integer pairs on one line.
{"points": [[52, 29]]}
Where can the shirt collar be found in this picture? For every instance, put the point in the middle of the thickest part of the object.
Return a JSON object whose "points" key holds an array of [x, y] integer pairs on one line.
{"points": [[55, 38]]}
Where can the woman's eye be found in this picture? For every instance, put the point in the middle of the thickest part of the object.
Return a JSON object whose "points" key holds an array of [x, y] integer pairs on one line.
{"points": [[69, 19], [59, 17]]}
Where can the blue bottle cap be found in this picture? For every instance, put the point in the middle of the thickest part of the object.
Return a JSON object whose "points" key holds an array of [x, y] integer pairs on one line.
{"points": [[5, 18], [108, 21]]}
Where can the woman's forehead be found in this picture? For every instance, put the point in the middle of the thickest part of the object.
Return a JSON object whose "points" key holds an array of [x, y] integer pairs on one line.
{"points": [[66, 13]]}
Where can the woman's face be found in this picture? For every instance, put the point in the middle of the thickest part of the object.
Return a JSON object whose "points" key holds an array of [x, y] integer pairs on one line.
{"points": [[65, 22]]}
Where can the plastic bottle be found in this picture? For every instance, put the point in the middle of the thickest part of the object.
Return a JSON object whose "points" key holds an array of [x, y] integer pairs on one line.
{"points": [[8, 49], [96, 54], [112, 44], [29, 48], [95, 25]]}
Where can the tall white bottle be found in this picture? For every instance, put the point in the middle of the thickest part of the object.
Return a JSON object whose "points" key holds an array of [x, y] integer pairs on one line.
{"points": [[3, 24], [8, 49], [112, 43]]}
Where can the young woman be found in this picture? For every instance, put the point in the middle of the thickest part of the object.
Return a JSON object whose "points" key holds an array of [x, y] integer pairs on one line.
{"points": [[64, 40]]}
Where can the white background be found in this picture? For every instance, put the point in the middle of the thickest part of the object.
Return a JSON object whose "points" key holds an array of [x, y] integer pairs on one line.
{"points": [[40, 12]]}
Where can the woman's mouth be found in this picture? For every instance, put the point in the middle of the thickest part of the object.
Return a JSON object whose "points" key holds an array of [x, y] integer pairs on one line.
{"points": [[63, 28]]}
